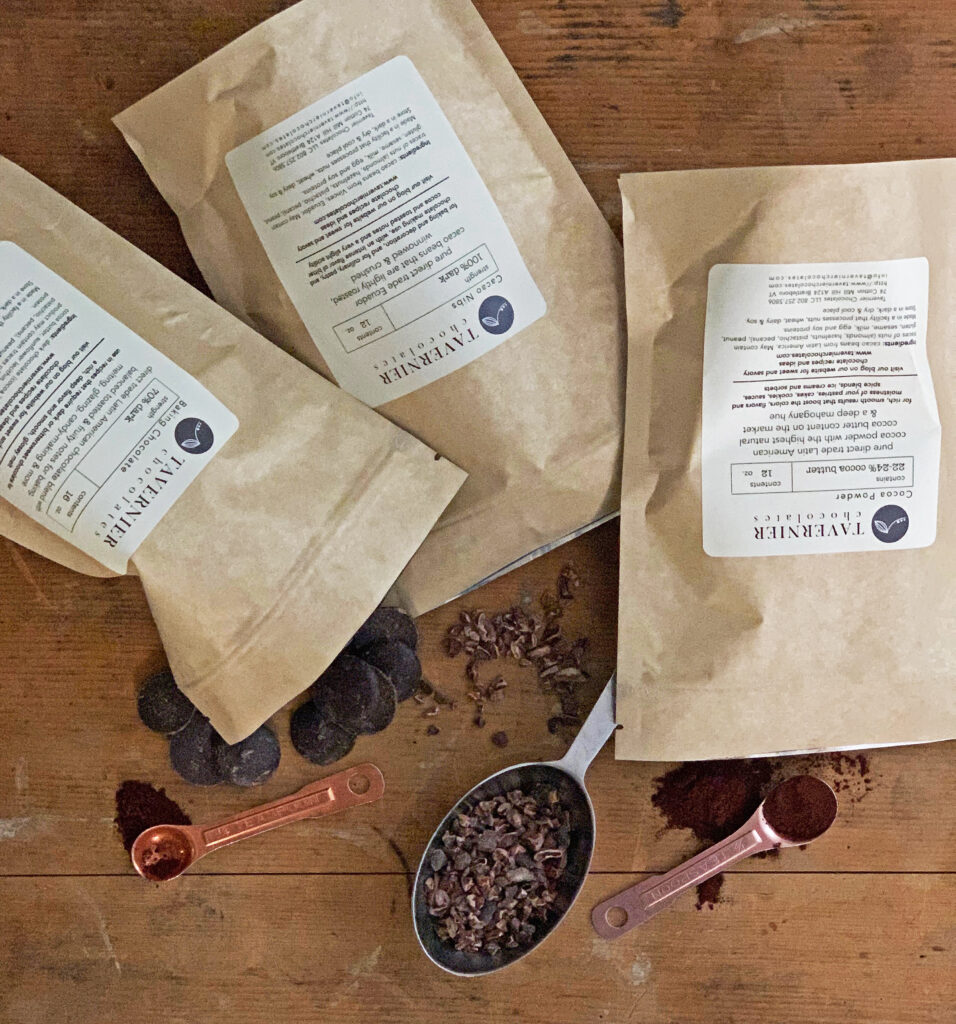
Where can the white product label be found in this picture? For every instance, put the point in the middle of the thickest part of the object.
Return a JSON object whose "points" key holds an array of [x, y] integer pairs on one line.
{"points": [[99, 432], [820, 428], [384, 235]]}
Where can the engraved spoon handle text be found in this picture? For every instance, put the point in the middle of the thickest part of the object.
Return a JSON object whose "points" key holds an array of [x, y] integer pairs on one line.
{"points": [[323, 797]]}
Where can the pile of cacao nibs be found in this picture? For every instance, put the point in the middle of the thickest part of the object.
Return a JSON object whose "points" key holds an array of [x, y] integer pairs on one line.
{"points": [[496, 871], [534, 640]]}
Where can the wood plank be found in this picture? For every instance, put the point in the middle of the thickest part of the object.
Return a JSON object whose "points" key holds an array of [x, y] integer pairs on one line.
{"points": [[821, 948], [708, 84], [626, 87], [75, 649]]}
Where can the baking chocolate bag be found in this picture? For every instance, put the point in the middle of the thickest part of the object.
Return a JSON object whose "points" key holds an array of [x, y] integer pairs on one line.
{"points": [[370, 186], [146, 431], [788, 545]]}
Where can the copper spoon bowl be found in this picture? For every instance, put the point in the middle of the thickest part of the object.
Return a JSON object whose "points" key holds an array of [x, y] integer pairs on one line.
{"points": [[768, 828], [163, 852]]}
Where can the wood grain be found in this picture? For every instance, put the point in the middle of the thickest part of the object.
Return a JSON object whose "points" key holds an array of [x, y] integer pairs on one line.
{"points": [[785, 948], [857, 928], [71, 735]]}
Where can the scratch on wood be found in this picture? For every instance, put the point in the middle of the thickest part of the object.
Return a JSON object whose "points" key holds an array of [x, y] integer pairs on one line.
{"points": [[20, 778], [773, 27], [9, 827], [18, 561], [402, 859], [366, 965], [101, 925]]}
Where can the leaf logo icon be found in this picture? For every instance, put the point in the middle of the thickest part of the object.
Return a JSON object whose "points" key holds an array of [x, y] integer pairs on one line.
{"points": [[495, 321], [881, 526], [192, 443]]}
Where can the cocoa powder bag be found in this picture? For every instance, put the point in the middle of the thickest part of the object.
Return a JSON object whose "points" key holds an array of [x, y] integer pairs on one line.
{"points": [[371, 187], [144, 430], [788, 546]]}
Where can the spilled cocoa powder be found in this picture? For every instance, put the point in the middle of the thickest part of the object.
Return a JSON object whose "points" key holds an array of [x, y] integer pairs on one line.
{"points": [[139, 806], [708, 892], [712, 799]]}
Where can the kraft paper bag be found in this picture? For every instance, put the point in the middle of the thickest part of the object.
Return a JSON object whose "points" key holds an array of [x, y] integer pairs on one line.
{"points": [[370, 186], [145, 430], [788, 546]]}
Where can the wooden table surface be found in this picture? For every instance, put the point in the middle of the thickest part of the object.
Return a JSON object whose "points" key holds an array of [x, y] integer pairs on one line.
{"points": [[311, 923]]}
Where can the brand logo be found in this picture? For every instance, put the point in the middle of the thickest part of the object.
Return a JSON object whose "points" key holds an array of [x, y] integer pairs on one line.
{"points": [[496, 314], [194, 436], [890, 524], [137, 506]]}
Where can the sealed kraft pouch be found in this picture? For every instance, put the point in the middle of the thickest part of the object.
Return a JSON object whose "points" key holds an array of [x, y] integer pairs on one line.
{"points": [[146, 431], [371, 187], [788, 543]]}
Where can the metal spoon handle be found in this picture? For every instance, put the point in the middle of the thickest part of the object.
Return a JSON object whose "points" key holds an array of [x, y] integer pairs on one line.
{"points": [[361, 784], [598, 726], [641, 902]]}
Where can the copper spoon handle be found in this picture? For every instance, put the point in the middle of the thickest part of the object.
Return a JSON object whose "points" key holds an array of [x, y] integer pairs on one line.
{"points": [[640, 902], [318, 798]]}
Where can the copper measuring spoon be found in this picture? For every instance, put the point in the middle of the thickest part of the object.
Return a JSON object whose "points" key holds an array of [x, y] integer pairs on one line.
{"points": [[766, 829], [164, 852]]}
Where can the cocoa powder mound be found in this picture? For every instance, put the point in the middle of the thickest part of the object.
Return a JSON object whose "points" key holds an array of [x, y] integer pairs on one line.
{"points": [[800, 809], [712, 798], [139, 806]]}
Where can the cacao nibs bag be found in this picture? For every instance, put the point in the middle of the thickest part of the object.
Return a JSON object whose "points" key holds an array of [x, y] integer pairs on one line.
{"points": [[144, 430], [371, 187], [788, 547]]}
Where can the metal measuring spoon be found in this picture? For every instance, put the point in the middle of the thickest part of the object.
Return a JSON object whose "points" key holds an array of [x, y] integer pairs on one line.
{"points": [[164, 852], [567, 777], [768, 828]]}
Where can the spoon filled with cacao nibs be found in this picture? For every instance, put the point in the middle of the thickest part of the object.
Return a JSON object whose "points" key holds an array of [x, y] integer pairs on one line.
{"points": [[505, 865]]}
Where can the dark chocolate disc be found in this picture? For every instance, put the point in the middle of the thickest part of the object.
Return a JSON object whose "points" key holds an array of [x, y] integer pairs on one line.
{"points": [[355, 696], [162, 706], [192, 753], [386, 624], [398, 662], [251, 761], [317, 740]]}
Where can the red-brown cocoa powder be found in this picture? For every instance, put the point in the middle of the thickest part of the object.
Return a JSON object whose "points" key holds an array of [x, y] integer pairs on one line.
{"points": [[708, 892], [800, 809], [139, 806], [712, 799]]}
